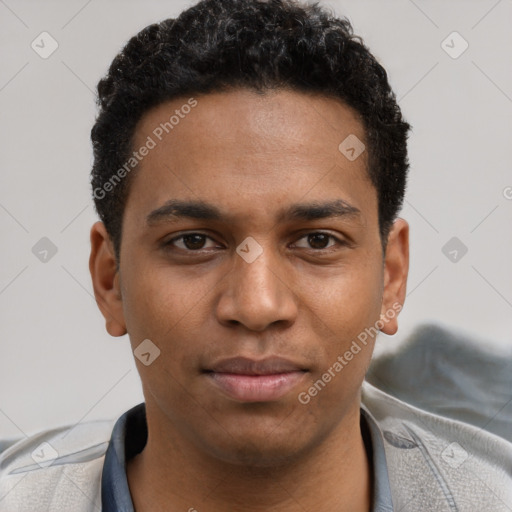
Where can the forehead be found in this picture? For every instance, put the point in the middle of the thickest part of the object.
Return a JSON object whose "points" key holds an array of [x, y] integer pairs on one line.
{"points": [[246, 150], [275, 117]]}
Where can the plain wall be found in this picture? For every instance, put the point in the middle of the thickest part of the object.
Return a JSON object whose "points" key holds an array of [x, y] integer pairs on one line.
{"points": [[57, 363]]}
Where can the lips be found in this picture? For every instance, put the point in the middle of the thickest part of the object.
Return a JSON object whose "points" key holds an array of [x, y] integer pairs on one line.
{"points": [[249, 380], [246, 366]]}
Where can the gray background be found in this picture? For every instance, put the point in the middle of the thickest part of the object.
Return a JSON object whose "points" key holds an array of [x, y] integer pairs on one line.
{"points": [[57, 363]]}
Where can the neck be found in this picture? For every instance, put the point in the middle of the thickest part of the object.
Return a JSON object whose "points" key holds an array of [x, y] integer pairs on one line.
{"points": [[334, 475]]}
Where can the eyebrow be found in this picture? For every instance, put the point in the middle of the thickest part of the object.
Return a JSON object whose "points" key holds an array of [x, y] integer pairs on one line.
{"points": [[175, 209]]}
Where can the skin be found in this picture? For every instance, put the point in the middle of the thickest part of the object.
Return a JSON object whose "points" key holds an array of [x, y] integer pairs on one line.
{"points": [[305, 298]]}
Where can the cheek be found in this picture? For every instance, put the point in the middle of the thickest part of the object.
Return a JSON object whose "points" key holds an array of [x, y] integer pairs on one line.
{"points": [[348, 302], [173, 310], [347, 321], [159, 306], [156, 298]]}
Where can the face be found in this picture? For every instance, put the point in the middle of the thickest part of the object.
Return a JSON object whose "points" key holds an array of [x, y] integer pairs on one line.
{"points": [[251, 260]]}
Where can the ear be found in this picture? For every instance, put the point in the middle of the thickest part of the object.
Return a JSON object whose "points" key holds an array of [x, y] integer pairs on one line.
{"points": [[396, 269], [105, 280]]}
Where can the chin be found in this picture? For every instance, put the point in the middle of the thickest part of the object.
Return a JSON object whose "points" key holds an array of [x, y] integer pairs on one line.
{"points": [[265, 445]]}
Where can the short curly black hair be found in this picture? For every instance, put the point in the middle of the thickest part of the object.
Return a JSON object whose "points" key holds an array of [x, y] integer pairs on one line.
{"points": [[259, 45]]}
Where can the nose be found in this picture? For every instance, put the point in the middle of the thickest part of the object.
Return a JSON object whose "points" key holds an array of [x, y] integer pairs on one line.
{"points": [[257, 294]]}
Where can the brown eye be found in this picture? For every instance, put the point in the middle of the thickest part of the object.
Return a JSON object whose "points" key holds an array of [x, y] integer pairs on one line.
{"points": [[194, 241], [189, 242], [319, 240]]}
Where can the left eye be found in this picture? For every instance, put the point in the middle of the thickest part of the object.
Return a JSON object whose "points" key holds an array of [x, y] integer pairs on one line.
{"points": [[318, 240]]}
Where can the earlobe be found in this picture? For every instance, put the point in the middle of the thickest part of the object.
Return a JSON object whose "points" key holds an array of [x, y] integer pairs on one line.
{"points": [[105, 280], [396, 269]]}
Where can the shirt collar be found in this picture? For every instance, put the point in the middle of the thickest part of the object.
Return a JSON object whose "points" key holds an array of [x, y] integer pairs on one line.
{"points": [[382, 501], [130, 434], [129, 437]]}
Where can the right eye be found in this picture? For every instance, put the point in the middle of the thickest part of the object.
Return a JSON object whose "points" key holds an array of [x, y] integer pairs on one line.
{"points": [[190, 242]]}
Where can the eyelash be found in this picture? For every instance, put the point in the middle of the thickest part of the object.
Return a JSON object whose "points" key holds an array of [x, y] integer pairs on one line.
{"points": [[169, 244]]}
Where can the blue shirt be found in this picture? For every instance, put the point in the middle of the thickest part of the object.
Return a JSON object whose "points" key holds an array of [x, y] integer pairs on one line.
{"points": [[130, 434]]}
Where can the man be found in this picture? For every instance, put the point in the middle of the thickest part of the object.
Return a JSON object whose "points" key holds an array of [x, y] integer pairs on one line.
{"points": [[250, 163]]}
